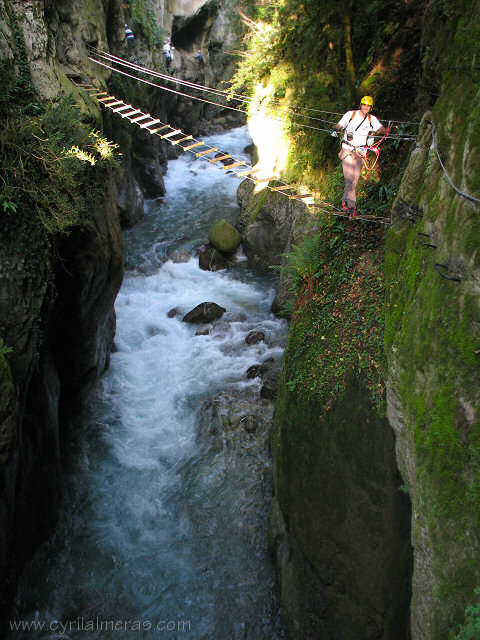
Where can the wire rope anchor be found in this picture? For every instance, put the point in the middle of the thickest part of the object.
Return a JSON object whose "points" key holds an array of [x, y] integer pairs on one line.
{"points": [[425, 244], [437, 268]]}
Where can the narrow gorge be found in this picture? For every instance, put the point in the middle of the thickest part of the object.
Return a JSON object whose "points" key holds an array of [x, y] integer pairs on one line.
{"points": [[305, 462]]}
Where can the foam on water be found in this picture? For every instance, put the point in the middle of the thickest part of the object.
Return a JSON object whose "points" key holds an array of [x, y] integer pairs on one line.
{"points": [[160, 522]]}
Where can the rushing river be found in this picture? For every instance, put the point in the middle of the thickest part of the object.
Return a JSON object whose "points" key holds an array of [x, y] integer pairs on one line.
{"points": [[163, 531]]}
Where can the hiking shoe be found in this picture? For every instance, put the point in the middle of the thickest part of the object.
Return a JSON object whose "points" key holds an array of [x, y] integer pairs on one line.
{"points": [[352, 213], [344, 205]]}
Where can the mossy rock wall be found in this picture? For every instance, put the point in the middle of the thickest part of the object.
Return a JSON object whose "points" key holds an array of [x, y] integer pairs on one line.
{"points": [[432, 328], [338, 489]]}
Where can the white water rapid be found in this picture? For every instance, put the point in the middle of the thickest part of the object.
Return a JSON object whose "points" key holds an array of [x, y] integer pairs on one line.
{"points": [[163, 530]]}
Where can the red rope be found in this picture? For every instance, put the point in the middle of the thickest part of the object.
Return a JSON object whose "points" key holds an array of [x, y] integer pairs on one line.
{"points": [[375, 148]]}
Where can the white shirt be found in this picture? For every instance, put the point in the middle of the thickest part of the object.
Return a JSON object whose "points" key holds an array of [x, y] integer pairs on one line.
{"points": [[368, 124]]}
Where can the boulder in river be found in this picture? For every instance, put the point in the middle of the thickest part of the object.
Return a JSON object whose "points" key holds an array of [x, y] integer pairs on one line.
{"points": [[255, 337], [204, 313], [224, 237], [209, 259]]}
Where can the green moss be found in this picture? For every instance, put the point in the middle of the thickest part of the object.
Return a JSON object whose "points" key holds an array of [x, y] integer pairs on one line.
{"points": [[259, 203], [336, 327], [6, 381]]}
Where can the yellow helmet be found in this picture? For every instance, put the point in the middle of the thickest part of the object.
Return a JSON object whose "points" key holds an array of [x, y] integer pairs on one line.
{"points": [[367, 100]]}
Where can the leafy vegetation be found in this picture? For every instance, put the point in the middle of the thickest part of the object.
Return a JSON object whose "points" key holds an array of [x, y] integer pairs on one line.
{"points": [[144, 18], [43, 167], [470, 628], [337, 318]]}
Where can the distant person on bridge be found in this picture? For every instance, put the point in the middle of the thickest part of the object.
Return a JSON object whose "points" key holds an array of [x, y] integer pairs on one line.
{"points": [[168, 51], [199, 57], [130, 37], [359, 128]]}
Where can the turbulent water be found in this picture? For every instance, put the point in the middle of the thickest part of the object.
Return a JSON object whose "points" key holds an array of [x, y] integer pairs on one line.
{"points": [[163, 533]]}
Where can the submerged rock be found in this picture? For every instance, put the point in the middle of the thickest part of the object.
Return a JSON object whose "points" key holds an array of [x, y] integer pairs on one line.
{"points": [[204, 313], [209, 259], [254, 337]]}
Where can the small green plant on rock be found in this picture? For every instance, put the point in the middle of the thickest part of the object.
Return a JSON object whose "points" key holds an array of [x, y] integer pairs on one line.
{"points": [[470, 628]]}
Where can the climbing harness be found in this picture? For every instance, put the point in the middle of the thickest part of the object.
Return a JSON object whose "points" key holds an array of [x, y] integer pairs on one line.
{"points": [[375, 149]]}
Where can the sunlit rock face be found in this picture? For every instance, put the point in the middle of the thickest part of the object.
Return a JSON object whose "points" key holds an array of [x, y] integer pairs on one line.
{"points": [[169, 8]]}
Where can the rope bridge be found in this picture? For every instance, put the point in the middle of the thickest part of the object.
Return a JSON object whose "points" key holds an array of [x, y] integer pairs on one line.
{"points": [[202, 150]]}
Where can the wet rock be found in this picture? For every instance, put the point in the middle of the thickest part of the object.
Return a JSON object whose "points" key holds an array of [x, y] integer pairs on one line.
{"points": [[179, 255], [254, 371], [237, 317], [204, 313], [238, 418], [173, 312], [224, 237], [152, 330], [255, 337], [268, 391], [209, 259], [203, 330]]}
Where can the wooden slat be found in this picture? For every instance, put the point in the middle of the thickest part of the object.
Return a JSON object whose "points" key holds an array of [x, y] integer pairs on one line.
{"points": [[125, 106], [205, 153], [130, 113], [235, 164], [149, 124], [282, 188], [114, 103], [248, 173], [181, 139], [263, 179], [171, 133], [192, 146], [300, 195], [105, 99], [145, 115], [220, 158], [165, 126]]}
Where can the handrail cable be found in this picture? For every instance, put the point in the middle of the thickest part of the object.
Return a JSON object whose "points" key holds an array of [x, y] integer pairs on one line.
{"points": [[181, 93], [462, 193], [227, 95], [112, 102]]}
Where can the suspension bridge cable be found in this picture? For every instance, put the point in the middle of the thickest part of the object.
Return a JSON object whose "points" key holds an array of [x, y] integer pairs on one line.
{"points": [[222, 106], [462, 193], [227, 95], [145, 121]]}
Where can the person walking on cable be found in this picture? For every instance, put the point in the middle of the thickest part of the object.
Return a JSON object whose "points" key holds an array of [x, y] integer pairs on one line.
{"points": [[199, 58], [359, 127], [168, 51]]}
